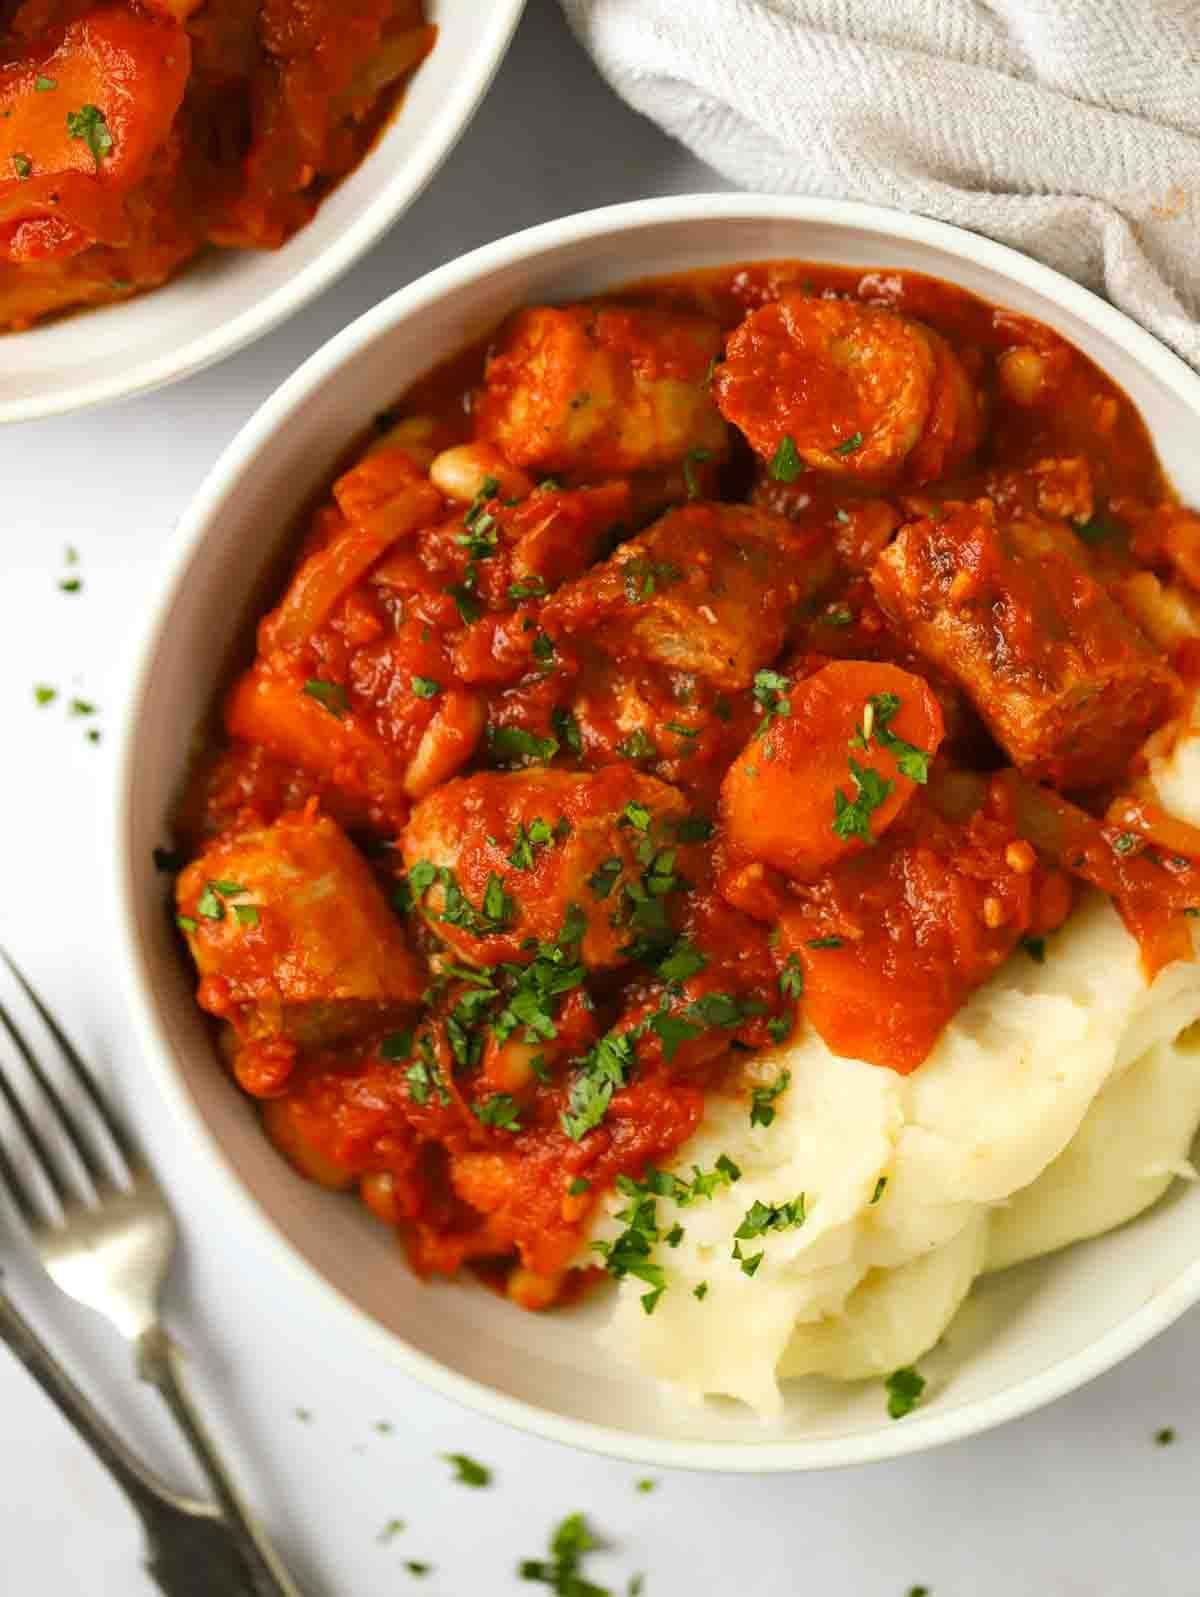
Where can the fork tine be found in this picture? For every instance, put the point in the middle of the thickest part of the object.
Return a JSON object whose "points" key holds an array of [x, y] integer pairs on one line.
{"points": [[18, 1192], [41, 1154], [65, 1120], [80, 1071]]}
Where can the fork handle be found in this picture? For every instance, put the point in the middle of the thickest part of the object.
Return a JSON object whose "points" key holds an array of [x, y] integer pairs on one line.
{"points": [[191, 1551], [159, 1362]]}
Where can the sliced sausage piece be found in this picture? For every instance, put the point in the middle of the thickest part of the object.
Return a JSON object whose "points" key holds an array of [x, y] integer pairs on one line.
{"points": [[709, 588], [499, 858], [598, 391], [293, 937], [1011, 611], [850, 389], [840, 756]]}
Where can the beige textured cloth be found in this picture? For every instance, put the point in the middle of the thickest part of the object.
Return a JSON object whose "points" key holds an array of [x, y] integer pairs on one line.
{"points": [[1067, 128]]}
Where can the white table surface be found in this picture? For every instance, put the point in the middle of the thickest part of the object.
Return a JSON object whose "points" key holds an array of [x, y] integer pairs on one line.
{"points": [[1075, 1502]]}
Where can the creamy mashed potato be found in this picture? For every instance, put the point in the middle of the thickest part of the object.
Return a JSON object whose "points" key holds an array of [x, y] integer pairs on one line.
{"points": [[1061, 1101]]}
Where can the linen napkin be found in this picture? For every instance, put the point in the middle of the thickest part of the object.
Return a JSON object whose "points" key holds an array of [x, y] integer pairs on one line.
{"points": [[1067, 128]]}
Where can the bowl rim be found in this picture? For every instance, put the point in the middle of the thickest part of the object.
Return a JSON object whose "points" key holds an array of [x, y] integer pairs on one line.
{"points": [[411, 177], [920, 1431]]}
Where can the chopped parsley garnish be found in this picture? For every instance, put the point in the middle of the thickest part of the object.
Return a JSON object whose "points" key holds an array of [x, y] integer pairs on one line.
{"points": [[425, 1076], [329, 695], [1098, 529], [1035, 947], [81, 707], [770, 690], [467, 1471], [480, 536], [578, 1187], [530, 588], [683, 961], [1125, 842], [748, 1262], [880, 711], [763, 1217], [849, 445], [762, 1099], [90, 125], [691, 460], [601, 1071], [682, 731], [852, 818], [536, 988], [568, 1544], [209, 904], [643, 577], [391, 1529], [824, 942], [700, 1292], [426, 687], [838, 615], [635, 815], [514, 743], [418, 1567], [246, 914], [543, 648], [645, 1486], [43, 695], [880, 1189], [43, 85], [567, 727], [185, 923], [604, 878], [1165, 1437], [22, 166], [904, 1389], [463, 593], [786, 464], [71, 585], [528, 839], [501, 1110], [637, 746], [791, 978], [397, 1045], [693, 829]]}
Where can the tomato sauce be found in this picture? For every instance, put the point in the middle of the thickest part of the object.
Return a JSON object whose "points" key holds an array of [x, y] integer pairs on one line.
{"points": [[651, 747], [132, 135]]}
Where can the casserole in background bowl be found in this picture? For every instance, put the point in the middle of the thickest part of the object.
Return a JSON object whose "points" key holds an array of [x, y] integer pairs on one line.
{"points": [[224, 299], [1026, 1335]]}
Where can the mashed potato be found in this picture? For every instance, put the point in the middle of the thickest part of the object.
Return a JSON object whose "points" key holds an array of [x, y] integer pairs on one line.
{"points": [[1060, 1102]]}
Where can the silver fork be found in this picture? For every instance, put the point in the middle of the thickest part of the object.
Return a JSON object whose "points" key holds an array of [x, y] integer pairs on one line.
{"points": [[107, 1242]]}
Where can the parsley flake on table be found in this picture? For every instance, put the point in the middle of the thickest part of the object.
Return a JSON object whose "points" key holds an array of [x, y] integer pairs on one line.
{"points": [[646, 1485], [904, 1388], [468, 1471], [786, 464], [852, 818], [418, 1567], [762, 1099], [637, 746], [43, 694], [700, 1292], [70, 585], [90, 124], [390, 1530], [569, 1543], [1165, 1436]]}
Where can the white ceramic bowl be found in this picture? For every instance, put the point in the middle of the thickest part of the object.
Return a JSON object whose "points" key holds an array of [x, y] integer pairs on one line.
{"points": [[1030, 1334], [228, 298]]}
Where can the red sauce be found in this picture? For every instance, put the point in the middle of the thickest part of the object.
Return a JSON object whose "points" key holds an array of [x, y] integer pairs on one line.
{"points": [[627, 795], [132, 135]]}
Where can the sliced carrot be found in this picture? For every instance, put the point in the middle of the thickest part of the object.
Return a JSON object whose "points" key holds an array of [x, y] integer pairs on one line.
{"points": [[843, 753]]}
